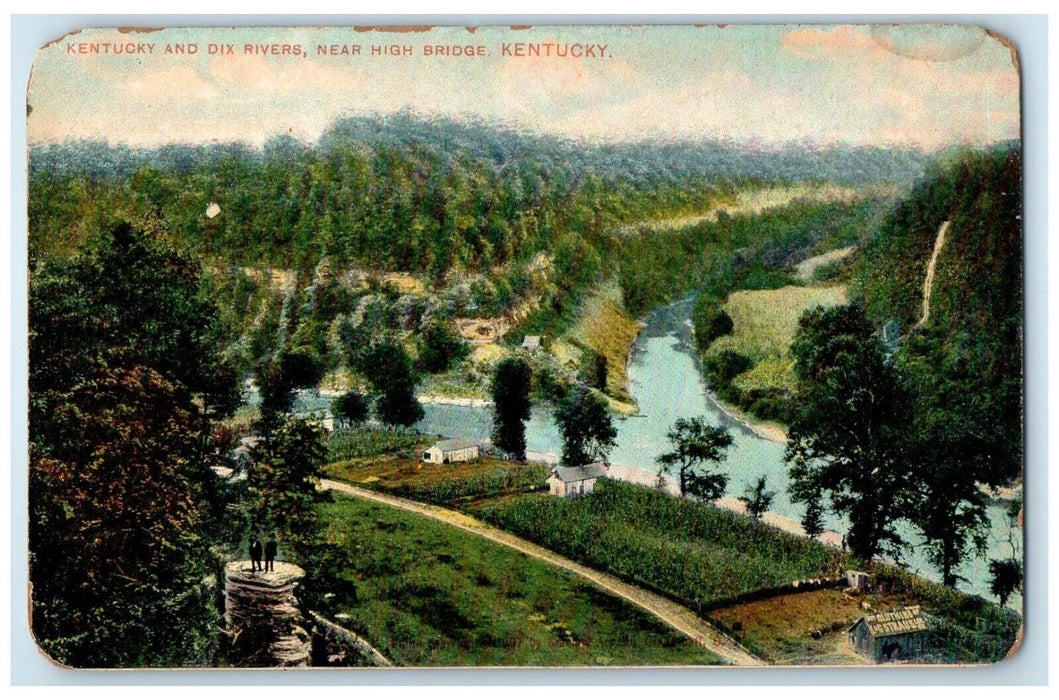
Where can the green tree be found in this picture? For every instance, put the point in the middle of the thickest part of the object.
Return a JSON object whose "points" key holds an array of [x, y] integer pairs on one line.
{"points": [[696, 443], [594, 369], [511, 384], [758, 498], [125, 379], [350, 407], [280, 379], [725, 366], [848, 434], [118, 543], [813, 520], [951, 510], [440, 347], [283, 479], [392, 375], [586, 428], [710, 320], [952, 457]]}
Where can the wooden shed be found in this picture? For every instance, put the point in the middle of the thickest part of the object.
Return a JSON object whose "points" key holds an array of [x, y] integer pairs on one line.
{"points": [[575, 481], [899, 635], [449, 451]]}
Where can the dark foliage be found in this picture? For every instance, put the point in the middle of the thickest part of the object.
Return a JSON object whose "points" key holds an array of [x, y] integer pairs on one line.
{"points": [[972, 342], [392, 375], [440, 348], [125, 377], [586, 428], [758, 498], [351, 407], [695, 444], [511, 384], [1006, 578], [850, 420]]}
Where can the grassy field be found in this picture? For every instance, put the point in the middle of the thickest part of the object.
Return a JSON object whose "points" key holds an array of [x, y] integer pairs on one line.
{"points": [[765, 322], [750, 202], [446, 484], [695, 553], [427, 594]]}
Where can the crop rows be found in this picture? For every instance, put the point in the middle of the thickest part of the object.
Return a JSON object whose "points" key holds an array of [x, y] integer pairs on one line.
{"points": [[693, 552]]}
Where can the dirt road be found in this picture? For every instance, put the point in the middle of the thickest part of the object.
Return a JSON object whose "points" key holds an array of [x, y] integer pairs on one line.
{"points": [[676, 616]]}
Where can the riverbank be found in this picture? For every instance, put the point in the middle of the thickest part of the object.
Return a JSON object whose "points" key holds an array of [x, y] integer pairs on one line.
{"points": [[438, 400], [764, 429], [780, 522]]}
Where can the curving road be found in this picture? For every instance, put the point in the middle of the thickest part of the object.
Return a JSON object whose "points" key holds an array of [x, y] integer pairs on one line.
{"points": [[676, 616]]}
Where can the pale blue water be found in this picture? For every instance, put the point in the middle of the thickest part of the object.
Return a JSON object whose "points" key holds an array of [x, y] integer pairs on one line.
{"points": [[667, 384]]}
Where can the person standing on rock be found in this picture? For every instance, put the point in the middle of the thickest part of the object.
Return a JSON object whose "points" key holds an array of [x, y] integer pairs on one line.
{"points": [[270, 554], [255, 554]]}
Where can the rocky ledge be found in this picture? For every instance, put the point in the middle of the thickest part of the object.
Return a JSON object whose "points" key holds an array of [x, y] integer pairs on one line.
{"points": [[262, 617]]}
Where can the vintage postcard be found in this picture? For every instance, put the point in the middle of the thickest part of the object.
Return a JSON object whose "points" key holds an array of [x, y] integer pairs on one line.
{"points": [[539, 346]]}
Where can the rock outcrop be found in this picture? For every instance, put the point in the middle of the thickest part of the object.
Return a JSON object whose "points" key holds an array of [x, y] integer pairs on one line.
{"points": [[263, 622]]}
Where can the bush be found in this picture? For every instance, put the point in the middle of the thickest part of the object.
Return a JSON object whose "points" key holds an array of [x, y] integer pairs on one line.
{"points": [[441, 348], [725, 366]]}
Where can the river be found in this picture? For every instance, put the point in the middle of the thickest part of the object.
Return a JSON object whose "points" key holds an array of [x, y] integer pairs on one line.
{"points": [[667, 384]]}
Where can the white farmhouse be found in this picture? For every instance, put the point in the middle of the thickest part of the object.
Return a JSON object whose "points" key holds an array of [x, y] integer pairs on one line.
{"points": [[449, 451], [575, 481]]}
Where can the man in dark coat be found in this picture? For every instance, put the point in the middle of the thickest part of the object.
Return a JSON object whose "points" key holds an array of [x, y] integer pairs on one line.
{"points": [[255, 554], [270, 554]]}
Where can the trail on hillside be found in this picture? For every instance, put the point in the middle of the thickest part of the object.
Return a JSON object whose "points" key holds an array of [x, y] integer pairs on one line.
{"points": [[674, 615], [929, 281]]}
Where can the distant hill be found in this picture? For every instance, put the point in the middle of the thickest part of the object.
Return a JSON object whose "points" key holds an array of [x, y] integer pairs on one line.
{"points": [[403, 192]]}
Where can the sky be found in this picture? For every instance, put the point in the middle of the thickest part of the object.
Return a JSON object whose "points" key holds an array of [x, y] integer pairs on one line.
{"points": [[926, 86]]}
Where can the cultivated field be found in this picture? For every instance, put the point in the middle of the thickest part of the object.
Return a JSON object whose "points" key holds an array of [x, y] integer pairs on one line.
{"points": [[800, 628], [440, 483], [695, 553]]}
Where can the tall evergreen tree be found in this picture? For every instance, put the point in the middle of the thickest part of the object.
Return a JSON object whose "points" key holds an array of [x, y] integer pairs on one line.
{"points": [[511, 384], [283, 480]]}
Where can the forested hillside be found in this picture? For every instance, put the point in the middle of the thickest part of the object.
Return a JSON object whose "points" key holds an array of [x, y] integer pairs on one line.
{"points": [[967, 356], [305, 240], [405, 193]]}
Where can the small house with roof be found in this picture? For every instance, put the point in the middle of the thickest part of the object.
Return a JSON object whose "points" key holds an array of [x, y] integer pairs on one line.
{"points": [[451, 451], [899, 635], [575, 481], [531, 343]]}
